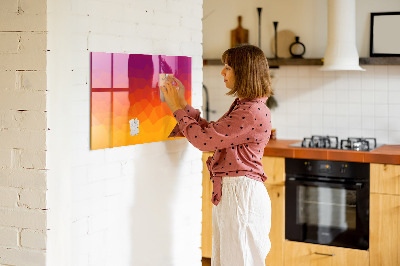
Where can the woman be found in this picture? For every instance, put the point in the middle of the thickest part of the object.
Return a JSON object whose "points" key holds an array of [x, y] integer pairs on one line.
{"points": [[242, 211]]}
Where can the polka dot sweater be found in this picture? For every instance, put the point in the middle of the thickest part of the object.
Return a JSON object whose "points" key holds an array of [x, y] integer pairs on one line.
{"points": [[238, 139]]}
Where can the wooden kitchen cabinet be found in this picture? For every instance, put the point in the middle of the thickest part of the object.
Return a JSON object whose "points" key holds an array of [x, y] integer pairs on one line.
{"points": [[206, 225], [385, 215], [274, 168], [305, 254], [384, 236], [385, 178], [277, 233]]}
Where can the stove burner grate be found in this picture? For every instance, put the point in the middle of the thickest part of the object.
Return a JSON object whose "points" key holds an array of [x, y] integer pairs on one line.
{"points": [[332, 142], [327, 142], [358, 144]]}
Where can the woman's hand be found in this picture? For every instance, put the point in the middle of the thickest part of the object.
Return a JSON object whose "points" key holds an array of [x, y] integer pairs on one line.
{"points": [[173, 94], [181, 91]]}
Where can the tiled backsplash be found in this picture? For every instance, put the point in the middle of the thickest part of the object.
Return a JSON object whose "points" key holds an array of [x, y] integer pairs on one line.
{"points": [[313, 102]]}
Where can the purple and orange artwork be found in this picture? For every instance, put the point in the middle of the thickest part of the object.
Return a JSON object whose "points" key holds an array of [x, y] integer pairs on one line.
{"points": [[127, 106]]}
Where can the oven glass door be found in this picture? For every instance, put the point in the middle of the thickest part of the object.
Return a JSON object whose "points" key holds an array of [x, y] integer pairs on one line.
{"points": [[327, 213], [326, 207]]}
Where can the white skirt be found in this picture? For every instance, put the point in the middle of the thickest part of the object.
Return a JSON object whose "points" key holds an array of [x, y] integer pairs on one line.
{"points": [[241, 223]]}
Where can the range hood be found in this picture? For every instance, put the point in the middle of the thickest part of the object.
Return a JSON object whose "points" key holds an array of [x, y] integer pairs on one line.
{"points": [[341, 51]]}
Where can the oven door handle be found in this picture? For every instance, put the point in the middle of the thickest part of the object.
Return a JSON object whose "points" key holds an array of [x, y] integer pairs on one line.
{"points": [[357, 185]]}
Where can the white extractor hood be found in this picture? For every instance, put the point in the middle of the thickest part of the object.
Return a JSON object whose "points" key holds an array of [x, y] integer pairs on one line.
{"points": [[341, 51]]}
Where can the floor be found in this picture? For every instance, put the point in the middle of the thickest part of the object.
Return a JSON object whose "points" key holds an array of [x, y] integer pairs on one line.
{"points": [[206, 261]]}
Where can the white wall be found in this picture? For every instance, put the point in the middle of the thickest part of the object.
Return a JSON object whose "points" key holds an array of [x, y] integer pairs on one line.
{"points": [[134, 205], [311, 102], [23, 133], [306, 19], [343, 104]]}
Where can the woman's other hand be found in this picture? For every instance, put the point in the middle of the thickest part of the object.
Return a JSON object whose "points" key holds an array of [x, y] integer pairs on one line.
{"points": [[181, 90], [174, 94]]}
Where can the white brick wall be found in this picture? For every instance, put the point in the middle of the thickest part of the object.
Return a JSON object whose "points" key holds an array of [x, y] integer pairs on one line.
{"points": [[138, 205], [134, 205], [8, 197], [23, 132], [33, 239], [9, 237], [11, 256]]}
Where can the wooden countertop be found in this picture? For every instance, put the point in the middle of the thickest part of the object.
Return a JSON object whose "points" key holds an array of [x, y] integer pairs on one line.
{"points": [[389, 154]]}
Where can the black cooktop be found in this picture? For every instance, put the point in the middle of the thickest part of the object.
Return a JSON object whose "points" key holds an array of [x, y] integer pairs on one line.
{"points": [[332, 142]]}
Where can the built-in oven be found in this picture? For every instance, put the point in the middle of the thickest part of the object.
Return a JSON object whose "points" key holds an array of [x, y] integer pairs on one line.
{"points": [[327, 202]]}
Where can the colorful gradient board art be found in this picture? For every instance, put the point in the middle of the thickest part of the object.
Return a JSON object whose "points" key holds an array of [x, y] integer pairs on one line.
{"points": [[127, 106]]}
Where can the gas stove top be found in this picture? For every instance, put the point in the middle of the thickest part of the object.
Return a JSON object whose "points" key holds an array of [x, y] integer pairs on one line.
{"points": [[332, 142]]}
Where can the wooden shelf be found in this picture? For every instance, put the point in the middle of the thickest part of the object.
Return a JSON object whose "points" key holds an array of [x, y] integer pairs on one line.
{"points": [[273, 63], [380, 61], [212, 62]]}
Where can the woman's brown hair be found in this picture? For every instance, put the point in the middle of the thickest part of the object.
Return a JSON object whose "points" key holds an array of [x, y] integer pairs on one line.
{"points": [[250, 66]]}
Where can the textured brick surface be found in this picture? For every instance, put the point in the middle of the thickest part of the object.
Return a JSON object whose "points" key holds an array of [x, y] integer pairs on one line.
{"points": [[23, 178], [23, 125], [33, 199], [28, 61], [8, 80], [8, 6], [9, 42], [95, 192], [17, 256], [23, 22], [8, 197], [26, 119], [5, 158], [126, 189], [33, 159], [23, 100], [23, 139], [9, 237], [31, 80], [23, 218], [33, 239]]}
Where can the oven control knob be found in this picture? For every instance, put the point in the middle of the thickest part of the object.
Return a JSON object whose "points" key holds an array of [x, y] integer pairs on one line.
{"points": [[343, 168], [308, 166]]}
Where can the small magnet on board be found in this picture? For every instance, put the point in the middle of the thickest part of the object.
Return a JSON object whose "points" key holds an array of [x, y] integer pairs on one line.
{"points": [[134, 125]]}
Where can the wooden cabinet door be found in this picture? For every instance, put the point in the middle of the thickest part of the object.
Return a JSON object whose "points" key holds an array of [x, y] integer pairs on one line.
{"points": [[274, 168], [206, 226], [384, 236], [304, 254], [277, 233], [385, 178]]}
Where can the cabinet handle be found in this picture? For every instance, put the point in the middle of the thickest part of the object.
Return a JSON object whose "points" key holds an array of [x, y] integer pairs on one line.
{"points": [[324, 254]]}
